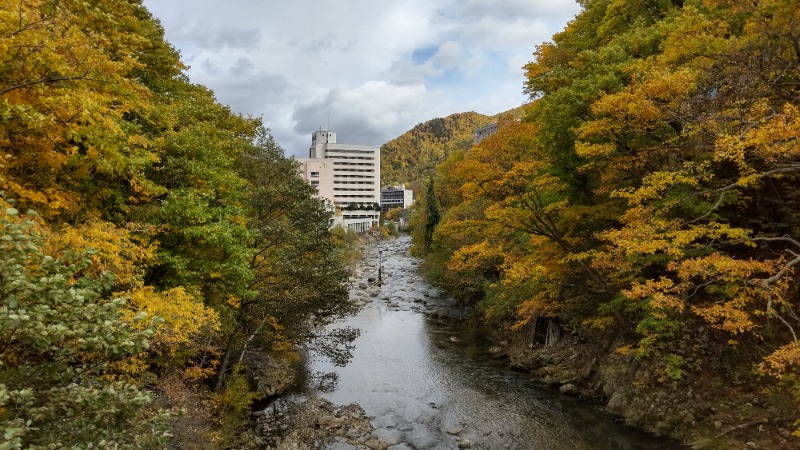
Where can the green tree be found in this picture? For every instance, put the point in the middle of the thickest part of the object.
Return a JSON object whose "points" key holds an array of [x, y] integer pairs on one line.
{"points": [[432, 215], [61, 331], [299, 282]]}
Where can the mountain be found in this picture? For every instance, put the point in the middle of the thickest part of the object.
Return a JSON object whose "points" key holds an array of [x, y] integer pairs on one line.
{"points": [[413, 155]]}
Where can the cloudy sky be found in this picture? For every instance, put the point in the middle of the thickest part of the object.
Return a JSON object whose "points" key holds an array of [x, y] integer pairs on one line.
{"points": [[372, 69]]}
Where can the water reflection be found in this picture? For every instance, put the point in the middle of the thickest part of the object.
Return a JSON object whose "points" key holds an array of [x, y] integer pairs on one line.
{"points": [[431, 385]]}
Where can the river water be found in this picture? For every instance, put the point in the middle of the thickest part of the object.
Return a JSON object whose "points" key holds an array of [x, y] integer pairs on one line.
{"points": [[430, 383]]}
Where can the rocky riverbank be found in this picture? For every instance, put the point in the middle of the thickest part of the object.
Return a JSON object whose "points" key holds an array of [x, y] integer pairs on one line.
{"points": [[305, 423], [708, 408], [315, 424], [713, 406]]}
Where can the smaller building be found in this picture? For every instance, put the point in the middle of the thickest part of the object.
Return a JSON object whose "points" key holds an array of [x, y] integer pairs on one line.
{"points": [[396, 196], [482, 133]]}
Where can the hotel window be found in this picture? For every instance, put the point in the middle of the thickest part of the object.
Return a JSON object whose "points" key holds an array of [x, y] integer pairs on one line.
{"points": [[314, 174]]}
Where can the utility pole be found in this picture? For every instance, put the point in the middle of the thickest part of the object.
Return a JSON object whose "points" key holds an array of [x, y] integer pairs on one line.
{"points": [[380, 266]]}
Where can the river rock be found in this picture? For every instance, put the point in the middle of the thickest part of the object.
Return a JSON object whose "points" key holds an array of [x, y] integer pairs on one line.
{"points": [[569, 389], [315, 423], [328, 420], [496, 352], [376, 444], [454, 430], [272, 374], [617, 402], [362, 285], [519, 366]]}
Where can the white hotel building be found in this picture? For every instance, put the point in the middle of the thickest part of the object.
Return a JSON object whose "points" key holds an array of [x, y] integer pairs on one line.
{"points": [[347, 175]]}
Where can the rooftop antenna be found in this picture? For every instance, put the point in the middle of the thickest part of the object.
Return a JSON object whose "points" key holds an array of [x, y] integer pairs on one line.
{"points": [[329, 122]]}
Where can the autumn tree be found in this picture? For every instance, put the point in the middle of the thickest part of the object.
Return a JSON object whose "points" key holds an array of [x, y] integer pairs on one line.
{"points": [[62, 333], [299, 278], [65, 87], [655, 193], [710, 125], [142, 172], [411, 157]]}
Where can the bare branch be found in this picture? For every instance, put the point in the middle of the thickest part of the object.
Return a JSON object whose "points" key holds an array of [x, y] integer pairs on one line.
{"points": [[774, 313], [712, 209], [42, 80], [778, 239], [738, 183]]}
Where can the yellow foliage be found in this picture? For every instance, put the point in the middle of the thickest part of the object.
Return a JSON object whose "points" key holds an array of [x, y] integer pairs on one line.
{"points": [[782, 360], [472, 257], [588, 150], [774, 138], [183, 320], [625, 350], [654, 186], [113, 249], [543, 304], [234, 301], [66, 89]]}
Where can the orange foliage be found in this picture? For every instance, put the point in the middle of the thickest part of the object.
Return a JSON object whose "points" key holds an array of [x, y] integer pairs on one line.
{"points": [[63, 94]]}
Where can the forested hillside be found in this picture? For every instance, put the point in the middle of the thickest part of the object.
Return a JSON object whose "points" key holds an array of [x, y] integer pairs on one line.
{"points": [[412, 156], [148, 237], [648, 198]]}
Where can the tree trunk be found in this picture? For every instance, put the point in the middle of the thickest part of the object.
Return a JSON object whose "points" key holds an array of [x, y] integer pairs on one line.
{"points": [[223, 366]]}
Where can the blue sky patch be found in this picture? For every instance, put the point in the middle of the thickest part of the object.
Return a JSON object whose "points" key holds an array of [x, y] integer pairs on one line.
{"points": [[422, 54]]}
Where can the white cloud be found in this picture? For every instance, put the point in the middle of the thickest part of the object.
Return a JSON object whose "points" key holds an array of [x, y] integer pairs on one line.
{"points": [[448, 55], [515, 9], [377, 68], [365, 114]]}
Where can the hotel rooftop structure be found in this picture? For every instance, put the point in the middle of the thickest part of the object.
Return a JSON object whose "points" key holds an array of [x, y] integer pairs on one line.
{"points": [[348, 175]]}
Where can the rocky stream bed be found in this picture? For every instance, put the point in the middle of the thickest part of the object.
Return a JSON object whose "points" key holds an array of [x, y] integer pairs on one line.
{"points": [[423, 376]]}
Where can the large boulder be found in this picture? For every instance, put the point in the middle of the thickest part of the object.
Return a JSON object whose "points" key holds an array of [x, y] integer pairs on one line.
{"points": [[272, 374]]}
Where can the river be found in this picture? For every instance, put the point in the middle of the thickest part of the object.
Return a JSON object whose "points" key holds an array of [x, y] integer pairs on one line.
{"points": [[430, 383]]}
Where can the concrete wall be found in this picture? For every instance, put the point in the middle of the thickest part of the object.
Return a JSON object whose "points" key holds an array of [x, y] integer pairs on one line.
{"points": [[318, 173]]}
